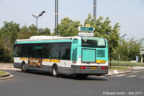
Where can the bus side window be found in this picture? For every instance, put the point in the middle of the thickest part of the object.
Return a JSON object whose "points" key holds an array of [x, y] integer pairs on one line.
{"points": [[37, 51], [17, 50], [65, 52], [24, 51], [55, 51], [47, 51]]}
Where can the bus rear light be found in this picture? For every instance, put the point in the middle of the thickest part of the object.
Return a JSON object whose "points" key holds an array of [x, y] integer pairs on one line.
{"points": [[83, 67], [103, 67]]}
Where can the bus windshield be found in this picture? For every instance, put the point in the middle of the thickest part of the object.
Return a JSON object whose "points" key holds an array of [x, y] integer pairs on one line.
{"points": [[93, 42]]}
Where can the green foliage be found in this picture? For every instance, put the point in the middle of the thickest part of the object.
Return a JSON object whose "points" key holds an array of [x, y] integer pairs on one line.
{"points": [[127, 50], [26, 32], [68, 27], [104, 29], [119, 68], [45, 31], [11, 31], [126, 63], [4, 52]]}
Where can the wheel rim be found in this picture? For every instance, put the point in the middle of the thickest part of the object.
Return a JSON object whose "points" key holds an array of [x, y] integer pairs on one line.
{"points": [[54, 72], [23, 67]]}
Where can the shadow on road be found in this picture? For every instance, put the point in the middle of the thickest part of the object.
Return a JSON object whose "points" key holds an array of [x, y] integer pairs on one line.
{"points": [[96, 78]]}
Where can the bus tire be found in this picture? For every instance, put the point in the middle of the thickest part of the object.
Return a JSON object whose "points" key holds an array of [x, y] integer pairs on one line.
{"points": [[55, 70], [23, 69]]}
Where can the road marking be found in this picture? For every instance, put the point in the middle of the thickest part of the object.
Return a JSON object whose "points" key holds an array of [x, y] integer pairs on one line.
{"points": [[135, 71], [131, 76], [120, 75], [141, 77]]}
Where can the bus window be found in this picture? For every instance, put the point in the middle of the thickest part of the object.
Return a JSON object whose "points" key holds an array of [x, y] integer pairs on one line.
{"points": [[37, 51], [24, 51], [47, 50], [93, 42], [17, 50], [65, 52], [55, 51]]}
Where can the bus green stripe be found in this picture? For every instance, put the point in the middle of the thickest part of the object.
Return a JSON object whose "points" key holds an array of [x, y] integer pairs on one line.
{"points": [[43, 41]]}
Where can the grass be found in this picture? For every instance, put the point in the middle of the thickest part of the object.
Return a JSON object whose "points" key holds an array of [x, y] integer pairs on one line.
{"points": [[126, 63], [119, 68], [2, 72]]}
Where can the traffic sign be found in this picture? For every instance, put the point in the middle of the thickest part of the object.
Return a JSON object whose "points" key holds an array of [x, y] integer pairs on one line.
{"points": [[86, 29], [85, 34]]}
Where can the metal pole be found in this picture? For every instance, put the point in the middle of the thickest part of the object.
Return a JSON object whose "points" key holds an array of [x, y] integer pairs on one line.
{"points": [[37, 24], [94, 9], [56, 16], [36, 17]]}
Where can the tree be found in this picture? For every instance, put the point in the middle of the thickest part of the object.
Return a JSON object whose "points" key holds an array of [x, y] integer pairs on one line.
{"points": [[104, 29], [8, 36], [45, 31], [9, 31], [127, 50], [4, 53], [27, 32], [68, 27]]}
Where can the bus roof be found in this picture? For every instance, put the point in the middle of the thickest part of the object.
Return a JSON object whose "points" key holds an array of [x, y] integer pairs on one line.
{"points": [[45, 39], [37, 38]]}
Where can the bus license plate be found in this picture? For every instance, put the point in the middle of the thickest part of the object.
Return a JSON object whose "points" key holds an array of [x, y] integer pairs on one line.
{"points": [[92, 67]]}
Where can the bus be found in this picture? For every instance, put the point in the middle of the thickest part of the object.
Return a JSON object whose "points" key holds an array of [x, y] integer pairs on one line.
{"points": [[79, 56]]}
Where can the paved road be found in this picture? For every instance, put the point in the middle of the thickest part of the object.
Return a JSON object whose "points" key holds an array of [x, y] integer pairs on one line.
{"points": [[40, 84]]}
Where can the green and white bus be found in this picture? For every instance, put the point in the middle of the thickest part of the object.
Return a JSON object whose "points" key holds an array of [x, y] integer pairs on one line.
{"points": [[79, 56]]}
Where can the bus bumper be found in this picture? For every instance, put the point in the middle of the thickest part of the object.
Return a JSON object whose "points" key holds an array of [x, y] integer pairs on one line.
{"points": [[90, 70]]}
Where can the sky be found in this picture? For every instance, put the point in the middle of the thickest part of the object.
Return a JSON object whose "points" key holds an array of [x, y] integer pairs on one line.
{"points": [[129, 13]]}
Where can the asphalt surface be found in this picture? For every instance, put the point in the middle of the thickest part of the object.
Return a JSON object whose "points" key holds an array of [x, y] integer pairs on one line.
{"points": [[42, 84]]}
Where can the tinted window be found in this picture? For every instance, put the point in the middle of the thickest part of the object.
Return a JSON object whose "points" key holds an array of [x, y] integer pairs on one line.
{"points": [[21, 51], [36, 51], [17, 51], [65, 51], [93, 42], [47, 51], [55, 51], [50, 51]]}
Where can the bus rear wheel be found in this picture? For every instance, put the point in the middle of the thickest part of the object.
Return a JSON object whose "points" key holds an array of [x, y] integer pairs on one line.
{"points": [[23, 68], [55, 71]]}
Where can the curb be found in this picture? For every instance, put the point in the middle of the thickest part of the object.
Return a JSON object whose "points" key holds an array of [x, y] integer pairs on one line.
{"points": [[6, 76], [138, 68], [118, 72], [9, 69]]}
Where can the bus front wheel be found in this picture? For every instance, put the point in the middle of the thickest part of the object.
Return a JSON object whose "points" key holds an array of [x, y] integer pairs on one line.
{"points": [[55, 71]]}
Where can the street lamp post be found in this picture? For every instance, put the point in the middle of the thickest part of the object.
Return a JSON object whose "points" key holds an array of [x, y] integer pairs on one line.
{"points": [[94, 9], [56, 16], [36, 17]]}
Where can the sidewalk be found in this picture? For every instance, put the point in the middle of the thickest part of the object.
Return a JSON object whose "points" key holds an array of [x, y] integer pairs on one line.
{"points": [[118, 72], [7, 66], [130, 69]]}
